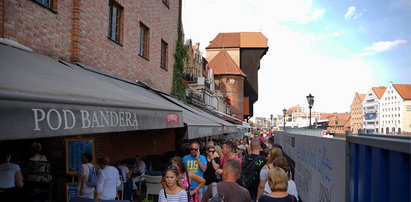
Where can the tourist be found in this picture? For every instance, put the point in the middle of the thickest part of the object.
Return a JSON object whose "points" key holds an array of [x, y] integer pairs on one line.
{"points": [[282, 163], [108, 179], [212, 166], [11, 177], [174, 189], [228, 153], [251, 167], [84, 190], [138, 172], [187, 178], [272, 155], [277, 180], [229, 188], [196, 164]]}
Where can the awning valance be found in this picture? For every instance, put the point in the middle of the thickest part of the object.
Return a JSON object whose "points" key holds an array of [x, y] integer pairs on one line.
{"points": [[43, 97]]}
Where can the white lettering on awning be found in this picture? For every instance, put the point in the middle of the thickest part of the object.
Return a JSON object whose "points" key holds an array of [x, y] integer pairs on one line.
{"points": [[54, 119]]}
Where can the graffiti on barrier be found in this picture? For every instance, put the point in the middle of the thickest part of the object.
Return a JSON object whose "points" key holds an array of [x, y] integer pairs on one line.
{"points": [[317, 159]]}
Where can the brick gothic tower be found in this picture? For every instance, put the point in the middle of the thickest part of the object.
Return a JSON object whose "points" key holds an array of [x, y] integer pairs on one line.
{"points": [[244, 50], [229, 79]]}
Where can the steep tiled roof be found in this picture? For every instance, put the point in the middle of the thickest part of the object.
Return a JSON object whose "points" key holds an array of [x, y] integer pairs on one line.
{"points": [[404, 90], [362, 96], [222, 63], [379, 91], [239, 40]]}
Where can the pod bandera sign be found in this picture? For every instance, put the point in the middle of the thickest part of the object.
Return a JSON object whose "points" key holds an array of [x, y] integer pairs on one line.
{"points": [[24, 119]]}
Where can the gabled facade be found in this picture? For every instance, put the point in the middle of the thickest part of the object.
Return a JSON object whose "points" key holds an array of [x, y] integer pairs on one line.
{"points": [[371, 109], [246, 50], [357, 113], [396, 109]]}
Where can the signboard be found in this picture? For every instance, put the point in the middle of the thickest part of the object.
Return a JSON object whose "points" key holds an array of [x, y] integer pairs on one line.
{"points": [[74, 149], [71, 190], [370, 116], [31, 119]]}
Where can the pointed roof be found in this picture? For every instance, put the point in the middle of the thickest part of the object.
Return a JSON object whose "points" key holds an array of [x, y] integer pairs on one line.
{"points": [[222, 63], [404, 90], [361, 96], [239, 40], [379, 91]]}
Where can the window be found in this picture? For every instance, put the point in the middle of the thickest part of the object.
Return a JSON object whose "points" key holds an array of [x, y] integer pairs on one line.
{"points": [[164, 55], [114, 21], [46, 3], [144, 39]]}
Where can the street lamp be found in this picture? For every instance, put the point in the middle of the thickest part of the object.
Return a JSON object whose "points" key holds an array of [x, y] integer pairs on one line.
{"points": [[271, 121], [310, 100], [284, 112]]}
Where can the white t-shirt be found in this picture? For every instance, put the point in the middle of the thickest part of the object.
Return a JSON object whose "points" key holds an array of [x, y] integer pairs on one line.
{"points": [[85, 171], [108, 180], [8, 175], [124, 171]]}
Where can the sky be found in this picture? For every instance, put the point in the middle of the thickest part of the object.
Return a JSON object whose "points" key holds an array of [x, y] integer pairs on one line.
{"points": [[329, 48]]}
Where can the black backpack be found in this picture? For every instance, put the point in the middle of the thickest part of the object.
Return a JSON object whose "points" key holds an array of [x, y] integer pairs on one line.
{"points": [[250, 172]]}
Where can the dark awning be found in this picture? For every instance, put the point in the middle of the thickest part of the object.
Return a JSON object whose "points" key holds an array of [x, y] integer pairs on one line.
{"points": [[227, 127], [197, 124], [43, 97]]}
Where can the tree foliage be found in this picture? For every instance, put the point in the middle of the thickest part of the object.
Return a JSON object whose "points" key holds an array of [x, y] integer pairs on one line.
{"points": [[178, 88]]}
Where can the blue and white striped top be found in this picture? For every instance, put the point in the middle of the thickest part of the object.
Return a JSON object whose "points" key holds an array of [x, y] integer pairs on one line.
{"points": [[179, 197]]}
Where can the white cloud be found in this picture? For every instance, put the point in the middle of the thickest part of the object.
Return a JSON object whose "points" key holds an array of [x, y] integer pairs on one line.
{"points": [[350, 13], [381, 46], [353, 14], [315, 14], [385, 45]]}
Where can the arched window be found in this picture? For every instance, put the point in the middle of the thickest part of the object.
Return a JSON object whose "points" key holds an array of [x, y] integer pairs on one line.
{"points": [[393, 130], [387, 130], [399, 130]]}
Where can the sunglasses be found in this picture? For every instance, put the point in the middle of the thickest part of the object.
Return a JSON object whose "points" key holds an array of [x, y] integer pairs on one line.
{"points": [[172, 168], [193, 149], [211, 151]]}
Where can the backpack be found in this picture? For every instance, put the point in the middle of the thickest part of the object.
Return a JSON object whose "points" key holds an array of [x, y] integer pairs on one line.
{"points": [[216, 197], [250, 173], [92, 178]]}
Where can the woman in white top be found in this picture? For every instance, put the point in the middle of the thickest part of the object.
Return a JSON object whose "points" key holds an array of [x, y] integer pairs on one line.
{"points": [[272, 155], [10, 177], [173, 190], [292, 188]]}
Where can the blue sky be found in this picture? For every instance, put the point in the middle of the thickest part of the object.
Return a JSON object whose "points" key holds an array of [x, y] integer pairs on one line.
{"points": [[330, 48]]}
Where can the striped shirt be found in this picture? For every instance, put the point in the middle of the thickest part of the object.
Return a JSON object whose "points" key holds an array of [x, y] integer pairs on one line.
{"points": [[179, 197]]}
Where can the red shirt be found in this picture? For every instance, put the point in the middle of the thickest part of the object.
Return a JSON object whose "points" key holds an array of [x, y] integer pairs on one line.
{"points": [[224, 159]]}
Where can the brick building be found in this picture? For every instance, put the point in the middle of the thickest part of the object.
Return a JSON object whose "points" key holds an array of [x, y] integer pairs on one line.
{"points": [[238, 58], [131, 39], [357, 122]]}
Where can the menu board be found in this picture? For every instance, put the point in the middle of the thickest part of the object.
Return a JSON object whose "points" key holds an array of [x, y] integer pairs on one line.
{"points": [[71, 190], [74, 149]]}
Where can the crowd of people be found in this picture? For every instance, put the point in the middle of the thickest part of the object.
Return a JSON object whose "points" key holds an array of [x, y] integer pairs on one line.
{"points": [[248, 169]]}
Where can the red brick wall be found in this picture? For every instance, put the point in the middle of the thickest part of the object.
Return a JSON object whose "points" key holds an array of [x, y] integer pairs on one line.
{"points": [[39, 28], [236, 90], [83, 37]]}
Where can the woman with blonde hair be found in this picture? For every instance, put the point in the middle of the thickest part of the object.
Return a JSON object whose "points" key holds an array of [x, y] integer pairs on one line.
{"points": [[283, 164], [219, 151], [272, 155], [278, 181], [173, 189]]}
